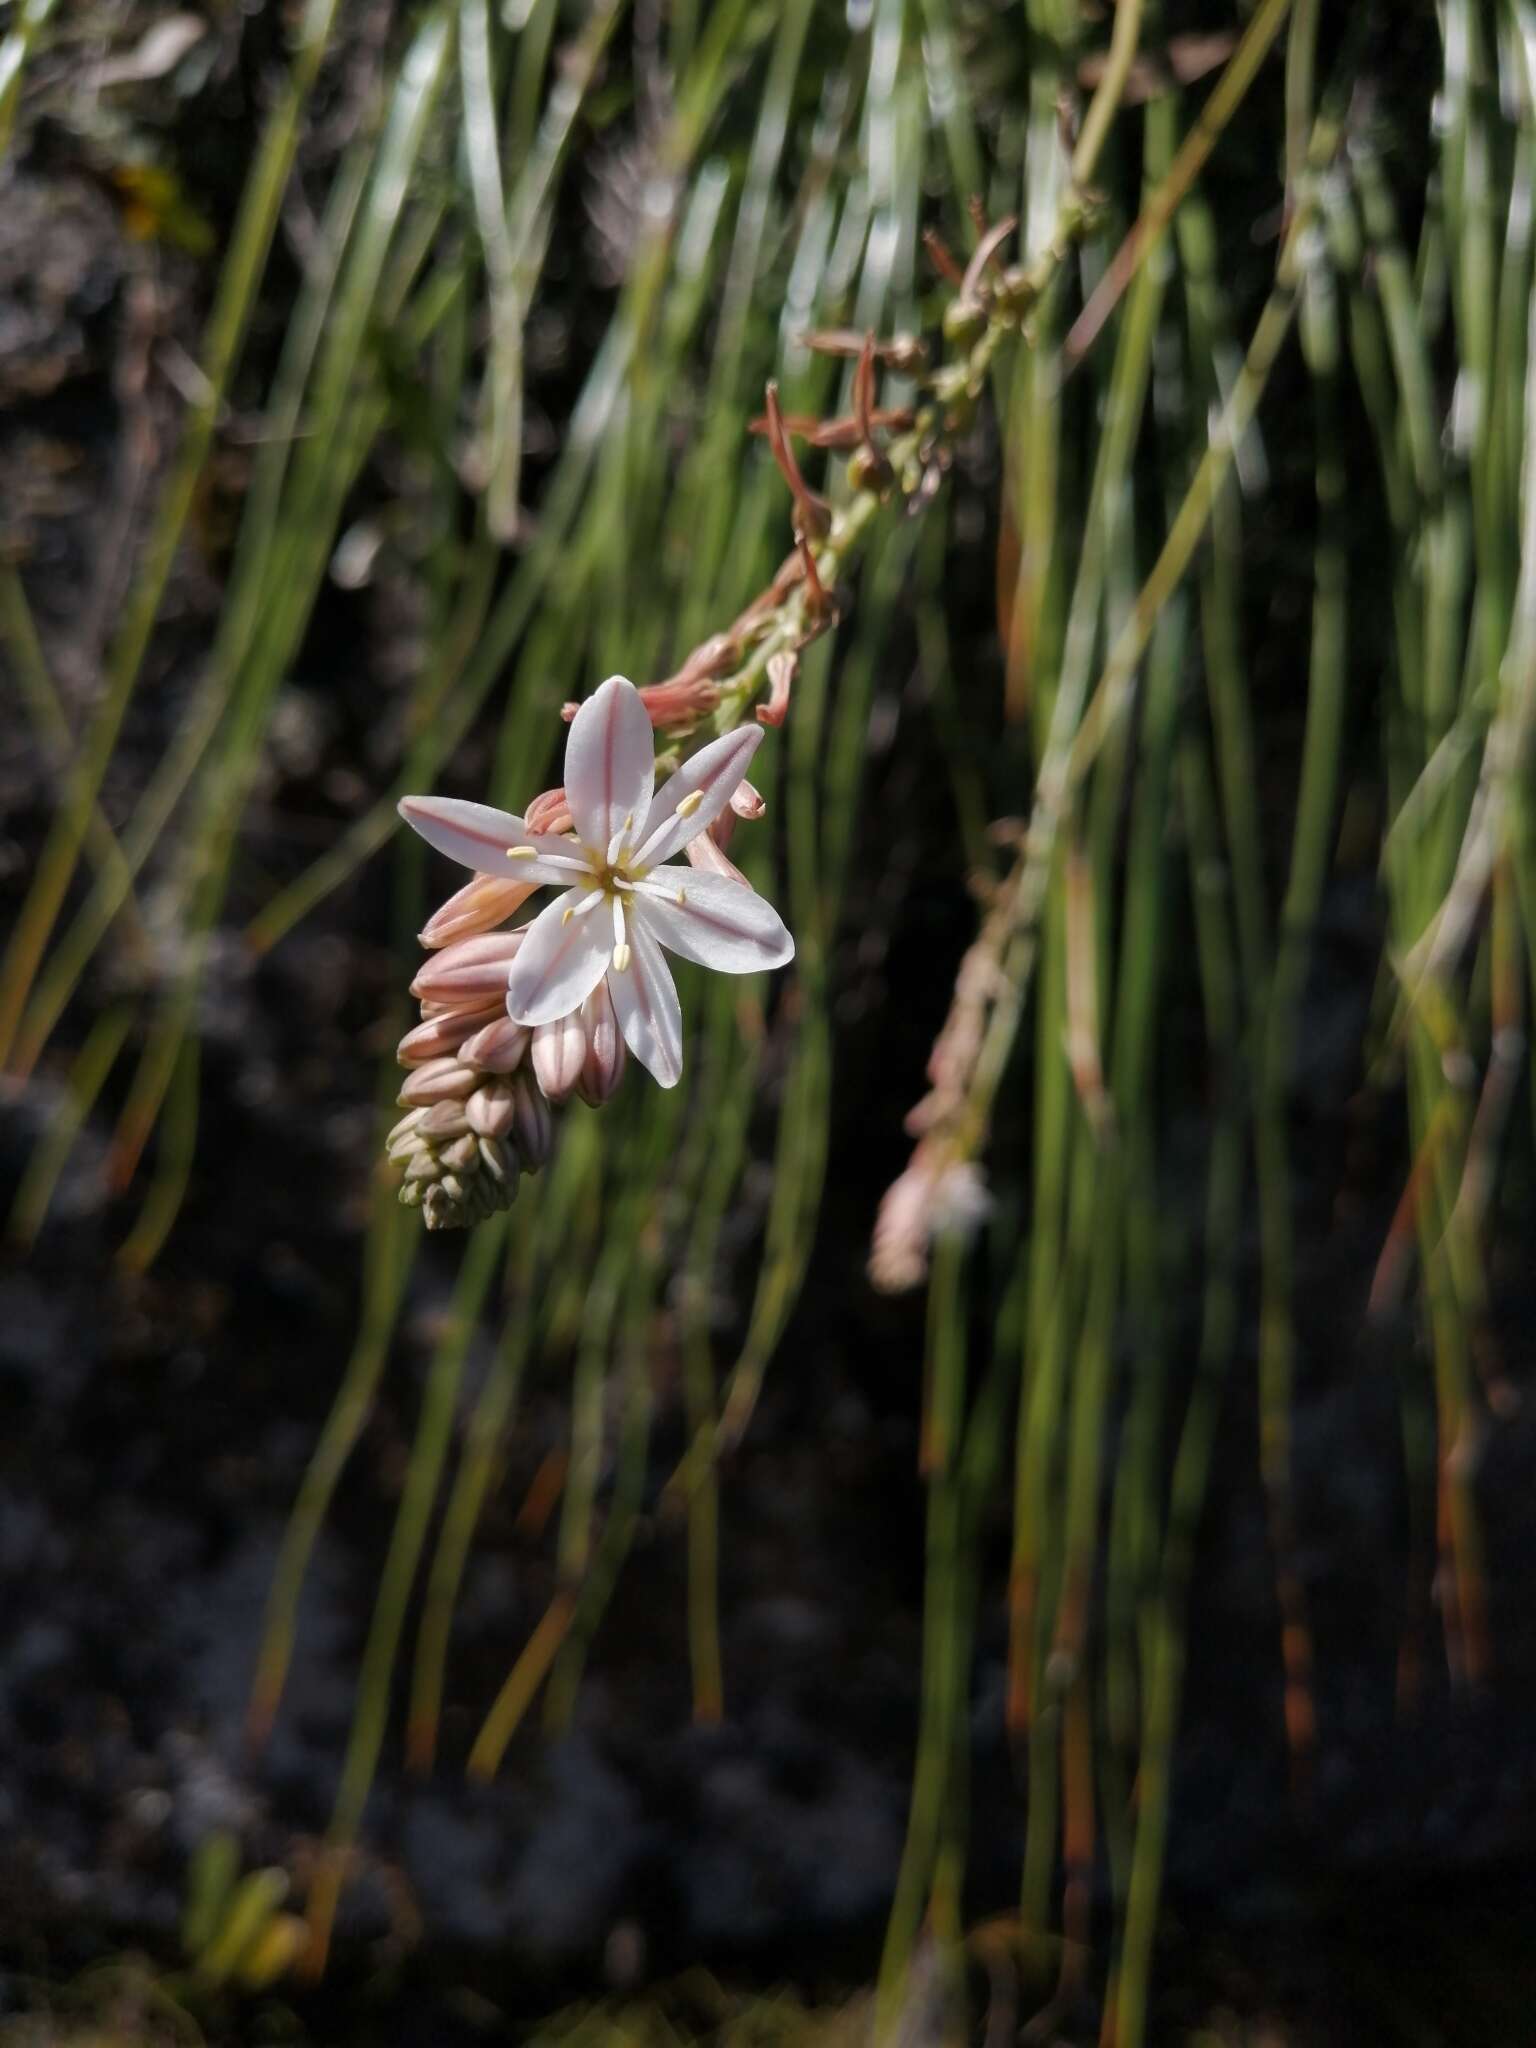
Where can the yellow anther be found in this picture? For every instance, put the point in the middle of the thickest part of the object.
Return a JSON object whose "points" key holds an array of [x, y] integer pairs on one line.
{"points": [[566, 916], [682, 896], [522, 853], [690, 804], [621, 958]]}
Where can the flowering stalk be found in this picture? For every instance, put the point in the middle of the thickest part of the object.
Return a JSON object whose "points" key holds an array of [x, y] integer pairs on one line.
{"points": [[516, 1020]]}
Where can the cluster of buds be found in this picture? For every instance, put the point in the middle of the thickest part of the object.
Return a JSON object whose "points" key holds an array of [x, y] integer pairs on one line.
{"points": [[481, 1088], [515, 1021]]}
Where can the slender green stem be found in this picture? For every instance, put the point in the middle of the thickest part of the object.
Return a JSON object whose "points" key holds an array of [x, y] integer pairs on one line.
{"points": [[223, 341], [429, 1449]]}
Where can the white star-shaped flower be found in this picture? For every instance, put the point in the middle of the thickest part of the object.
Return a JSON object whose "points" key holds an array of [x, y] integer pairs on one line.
{"points": [[622, 902]]}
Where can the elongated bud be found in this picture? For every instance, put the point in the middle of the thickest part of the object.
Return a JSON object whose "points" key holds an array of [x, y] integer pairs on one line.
{"points": [[444, 1121], [459, 1154], [442, 1034], [451, 1204], [549, 813], [499, 1047], [481, 904], [403, 1140], [533, 1128], [500, 1161], [746, 802], [707, 854], [680, 701], [559, 1050], [606, 1055], [447, 1006], [470, 970], [490, 1110], [445, 1080]]}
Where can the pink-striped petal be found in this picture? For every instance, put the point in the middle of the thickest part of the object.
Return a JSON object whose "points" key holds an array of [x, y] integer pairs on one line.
{"points": [[711, 775], [610, 763], [706, 918], [491, 841], [645, 1000], [559, 963]]}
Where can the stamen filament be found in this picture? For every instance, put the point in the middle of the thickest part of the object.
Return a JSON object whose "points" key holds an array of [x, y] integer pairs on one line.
{"points": [[550, 860], [664, 892], [647, 852]]}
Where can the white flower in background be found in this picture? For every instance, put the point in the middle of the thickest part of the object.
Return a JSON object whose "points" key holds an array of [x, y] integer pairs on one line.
{"points": [[622, 900]]}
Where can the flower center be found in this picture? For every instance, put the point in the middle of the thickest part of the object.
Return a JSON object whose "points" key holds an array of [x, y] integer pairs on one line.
{"points": [[615, 877]]}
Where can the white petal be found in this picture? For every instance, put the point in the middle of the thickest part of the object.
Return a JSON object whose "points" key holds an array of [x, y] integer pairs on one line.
{"points": [[481, 836], [650, 1016], [559, 964], [610, 763], [720, 924], [712, 774]]}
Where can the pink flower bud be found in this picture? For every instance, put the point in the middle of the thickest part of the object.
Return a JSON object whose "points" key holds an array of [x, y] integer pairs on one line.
{"points": [[746, 802], [445, 1080], [606, 1056], [482, 903], [549, 813], [705, 852], [559, 1050], [497, 1048], [491, 1108], [441, 1034], [470, 970], [681, 700], [500, 1162], [444, 1120], [451, 1006], [533, 1128]]}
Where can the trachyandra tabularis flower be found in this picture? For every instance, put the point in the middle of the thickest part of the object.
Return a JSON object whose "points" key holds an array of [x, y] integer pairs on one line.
{"points": [[623, 901]]}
